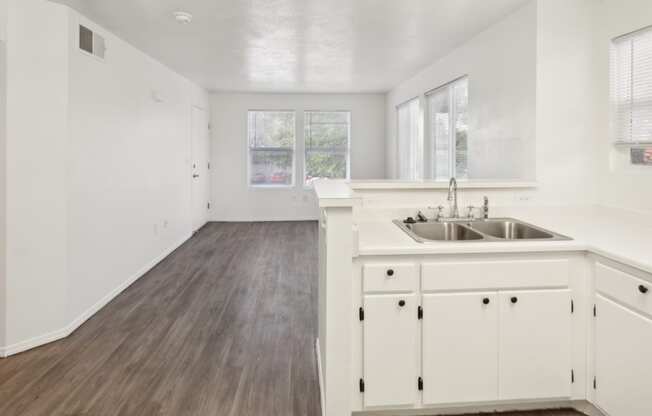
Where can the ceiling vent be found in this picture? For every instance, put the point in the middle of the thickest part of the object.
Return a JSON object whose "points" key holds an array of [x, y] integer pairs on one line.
{"points": [[91, 43]]}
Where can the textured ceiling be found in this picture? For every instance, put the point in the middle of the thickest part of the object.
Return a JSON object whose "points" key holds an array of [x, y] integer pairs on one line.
{"points": [[297, 45]]}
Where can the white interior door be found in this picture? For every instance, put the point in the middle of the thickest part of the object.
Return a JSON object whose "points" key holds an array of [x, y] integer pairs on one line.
{"points": [[200, 168], [460, 348]]}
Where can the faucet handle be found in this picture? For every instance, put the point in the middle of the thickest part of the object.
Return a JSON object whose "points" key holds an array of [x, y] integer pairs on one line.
{"points": [[470, 213], [440, 212]]}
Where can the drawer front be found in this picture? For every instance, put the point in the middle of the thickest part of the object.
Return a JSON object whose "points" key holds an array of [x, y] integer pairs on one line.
{"points": [[494, 275], [384, 278], [623, 287]]}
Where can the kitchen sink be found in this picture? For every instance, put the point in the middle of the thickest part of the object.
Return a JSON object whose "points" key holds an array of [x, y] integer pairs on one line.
{"points": [[489, 230], [510, 230], [443, 231]]}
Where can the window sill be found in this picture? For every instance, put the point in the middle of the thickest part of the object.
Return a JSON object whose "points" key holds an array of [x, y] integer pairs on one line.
{"points": [[628, 145]]}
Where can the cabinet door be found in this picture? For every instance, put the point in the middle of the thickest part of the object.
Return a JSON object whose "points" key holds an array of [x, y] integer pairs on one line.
{"points": [[390, 350], [535, 344], [460, 348], [623, 367]]}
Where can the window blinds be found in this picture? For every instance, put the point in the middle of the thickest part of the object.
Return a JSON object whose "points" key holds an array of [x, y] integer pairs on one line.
{"points": [[410, 145], [631, 87]]}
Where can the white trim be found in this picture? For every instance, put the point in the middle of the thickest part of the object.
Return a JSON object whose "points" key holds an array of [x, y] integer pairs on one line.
{"points": [[432, 184], [77, 322], [320, 376]]}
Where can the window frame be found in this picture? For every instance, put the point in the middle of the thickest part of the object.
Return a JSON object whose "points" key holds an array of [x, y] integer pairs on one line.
{"points": [[249, 153], [305, 144], [452, 135], [616, 106]]}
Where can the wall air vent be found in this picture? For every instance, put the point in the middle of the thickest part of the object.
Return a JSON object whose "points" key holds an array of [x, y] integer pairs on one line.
{"points": [[91, 42]]}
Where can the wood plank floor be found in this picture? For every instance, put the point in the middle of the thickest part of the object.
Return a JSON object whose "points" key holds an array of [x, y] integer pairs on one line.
{"points": [[224, 326]]}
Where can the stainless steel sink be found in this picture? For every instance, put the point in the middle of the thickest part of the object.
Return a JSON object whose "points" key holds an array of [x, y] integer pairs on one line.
{"points": [[498, 229], [508, 229], [442, 231]]}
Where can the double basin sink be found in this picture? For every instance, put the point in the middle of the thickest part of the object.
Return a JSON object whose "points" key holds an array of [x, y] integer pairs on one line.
{"points": [[498, 229]]}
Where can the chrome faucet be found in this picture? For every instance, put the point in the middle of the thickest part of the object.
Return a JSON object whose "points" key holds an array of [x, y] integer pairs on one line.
{"points": [[452, 198]]}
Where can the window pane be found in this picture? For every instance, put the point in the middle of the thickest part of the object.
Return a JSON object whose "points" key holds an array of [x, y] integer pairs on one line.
{"points": [[271, 129], [327, 145], [461, 101], [271, 147], [439, 107], [271, 167], [325, 165], [327, 136]]}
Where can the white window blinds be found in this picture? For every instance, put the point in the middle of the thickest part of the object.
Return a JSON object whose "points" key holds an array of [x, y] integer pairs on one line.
{"points": [[631, 87], [409, 143]]}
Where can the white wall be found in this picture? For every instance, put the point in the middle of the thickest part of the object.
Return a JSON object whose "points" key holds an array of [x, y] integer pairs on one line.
{"points": [[98, 181], [37, 104], [234, 200], [565, 110], [622, 185], [129, 166], [501, 65]]}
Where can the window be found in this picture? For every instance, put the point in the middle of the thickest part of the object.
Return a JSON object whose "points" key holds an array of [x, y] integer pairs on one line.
{"points": [[448, 120], [409, 143], [631, 87], [271, 148], [328, 140]]}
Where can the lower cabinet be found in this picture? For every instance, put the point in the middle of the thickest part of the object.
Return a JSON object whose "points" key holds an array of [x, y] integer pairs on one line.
{"points": [[535, 344], [473, 347], [623, 343], [460, 348], [390, 353]]}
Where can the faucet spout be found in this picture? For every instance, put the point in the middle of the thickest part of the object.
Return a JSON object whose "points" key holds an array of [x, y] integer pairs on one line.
{"points": [[452, 198]]}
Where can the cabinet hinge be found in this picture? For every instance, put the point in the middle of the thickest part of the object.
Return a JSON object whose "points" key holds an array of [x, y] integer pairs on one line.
{"points": [[420, 384], [209, 165], [208, 206], [361, 385], [361, 314], [419, 312], [572, 306], [572, 376], [595, 311], [595, 383]]}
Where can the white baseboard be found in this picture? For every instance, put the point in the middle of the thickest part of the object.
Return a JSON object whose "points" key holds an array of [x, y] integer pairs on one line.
{"points": [[320, 376], [77, 322]]}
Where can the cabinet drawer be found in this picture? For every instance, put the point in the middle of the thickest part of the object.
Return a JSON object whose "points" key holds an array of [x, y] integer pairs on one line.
{"points": [[493, 275], [623, 287], [379, 278]]}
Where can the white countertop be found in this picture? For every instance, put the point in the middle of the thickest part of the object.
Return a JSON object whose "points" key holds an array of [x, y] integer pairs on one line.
{"points": [[616, 234]]}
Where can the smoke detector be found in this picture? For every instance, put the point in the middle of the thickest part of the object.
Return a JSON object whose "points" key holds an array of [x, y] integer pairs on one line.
{"points": [[183, 17]]}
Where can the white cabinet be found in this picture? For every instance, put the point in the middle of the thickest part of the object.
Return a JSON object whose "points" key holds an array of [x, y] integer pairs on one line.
{"points": [[535, 344], [460, 348], [623, 367], [390, 352]]}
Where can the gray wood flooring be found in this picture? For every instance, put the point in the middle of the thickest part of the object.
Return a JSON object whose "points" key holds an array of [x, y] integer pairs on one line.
{"points": [[224, 326]]}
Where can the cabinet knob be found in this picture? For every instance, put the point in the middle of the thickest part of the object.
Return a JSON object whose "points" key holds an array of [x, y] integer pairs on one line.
{"points": [[390, 272], [514, 299], [643, 289], [485, 301], [401, 303]]}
